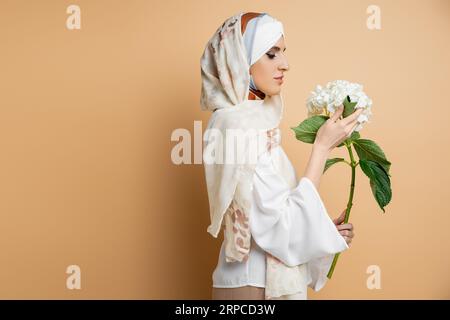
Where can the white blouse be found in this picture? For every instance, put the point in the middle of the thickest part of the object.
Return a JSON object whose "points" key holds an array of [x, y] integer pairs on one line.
{"points": [[289, 221]]}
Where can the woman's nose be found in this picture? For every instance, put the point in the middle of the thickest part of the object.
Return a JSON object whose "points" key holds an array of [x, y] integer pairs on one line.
{"points": [[284, 65]]}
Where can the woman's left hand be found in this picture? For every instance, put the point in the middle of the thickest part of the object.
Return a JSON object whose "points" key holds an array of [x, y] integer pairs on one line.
{"points": [[346, 229]]}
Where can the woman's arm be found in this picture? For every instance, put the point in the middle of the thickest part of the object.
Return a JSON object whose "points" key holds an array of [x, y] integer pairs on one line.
{"points": [[292, 224], [316, 164], [332, 133]]}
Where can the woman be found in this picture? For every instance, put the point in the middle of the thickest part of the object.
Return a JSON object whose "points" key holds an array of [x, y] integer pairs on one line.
{"points": [[278, 236]]}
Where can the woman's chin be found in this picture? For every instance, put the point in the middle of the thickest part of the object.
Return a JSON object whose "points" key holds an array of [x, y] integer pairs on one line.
{"points": [[274, 91]]}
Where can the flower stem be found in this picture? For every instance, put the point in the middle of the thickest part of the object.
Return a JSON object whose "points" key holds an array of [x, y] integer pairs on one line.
{"points": [[349, 203]]}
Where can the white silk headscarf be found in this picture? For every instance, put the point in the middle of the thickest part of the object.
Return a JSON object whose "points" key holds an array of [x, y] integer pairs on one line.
{"points": [[225, 66], [261, 33], [225, 89]]}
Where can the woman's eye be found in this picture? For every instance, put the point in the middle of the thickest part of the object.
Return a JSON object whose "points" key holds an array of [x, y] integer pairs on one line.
{"points": [[271, 56]]}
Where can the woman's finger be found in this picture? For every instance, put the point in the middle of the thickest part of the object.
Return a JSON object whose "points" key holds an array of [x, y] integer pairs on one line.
{"points": [[347, 233], [352, 117], [353, 126], [337, 113], [340, 219], [345, 226]]}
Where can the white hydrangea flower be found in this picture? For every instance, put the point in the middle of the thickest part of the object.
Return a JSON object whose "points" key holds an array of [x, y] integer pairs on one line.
{"points": [[327, 99]]}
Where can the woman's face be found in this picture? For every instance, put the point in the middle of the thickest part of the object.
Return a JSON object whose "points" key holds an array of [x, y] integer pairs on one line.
{"points": [[272, 65]]}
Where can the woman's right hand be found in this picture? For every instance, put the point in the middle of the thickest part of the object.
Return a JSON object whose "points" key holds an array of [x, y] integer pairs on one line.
{"points": [[334, 131]]}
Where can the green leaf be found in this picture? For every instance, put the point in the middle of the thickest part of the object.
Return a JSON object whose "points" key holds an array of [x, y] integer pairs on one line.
{"points": [[379, 181], [330, 162], [354, 136], [306, 131], [349, 107], [369, 150]]}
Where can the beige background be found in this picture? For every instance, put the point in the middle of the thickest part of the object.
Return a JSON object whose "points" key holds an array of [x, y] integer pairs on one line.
{"points": [[86, 118]]}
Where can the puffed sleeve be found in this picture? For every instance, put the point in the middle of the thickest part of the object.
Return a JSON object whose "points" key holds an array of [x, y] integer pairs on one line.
{"points": [[292, 224]]}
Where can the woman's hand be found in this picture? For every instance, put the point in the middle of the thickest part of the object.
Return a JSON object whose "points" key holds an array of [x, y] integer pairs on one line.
{"points": [[334, 131], [346, 229]]}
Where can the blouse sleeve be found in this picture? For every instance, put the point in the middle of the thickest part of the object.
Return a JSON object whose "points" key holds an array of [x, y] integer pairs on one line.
{"points": [[317, 271], [292, 224]]}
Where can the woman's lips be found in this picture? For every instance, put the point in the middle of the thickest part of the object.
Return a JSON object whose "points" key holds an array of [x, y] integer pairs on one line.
{"points": [[279, 79]]}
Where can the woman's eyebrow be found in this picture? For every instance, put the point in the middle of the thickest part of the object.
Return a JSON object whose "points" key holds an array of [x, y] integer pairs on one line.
{"points": [[275, 48]]}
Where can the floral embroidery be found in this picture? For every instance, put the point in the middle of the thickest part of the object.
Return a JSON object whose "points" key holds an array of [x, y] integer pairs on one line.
{"points": [[227, 29], [274, 138], [283, 280], [237, 233]]}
